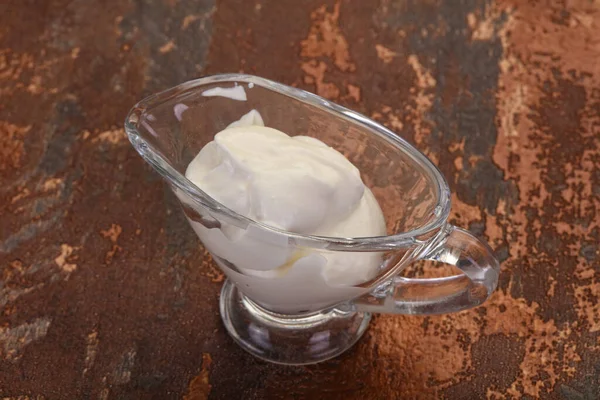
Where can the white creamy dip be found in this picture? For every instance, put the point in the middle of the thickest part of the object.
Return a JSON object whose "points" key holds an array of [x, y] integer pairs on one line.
{"points": [[297, 184]]}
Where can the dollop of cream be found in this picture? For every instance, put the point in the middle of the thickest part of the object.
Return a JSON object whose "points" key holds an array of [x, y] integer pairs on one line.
{"points": [[297, 184]]}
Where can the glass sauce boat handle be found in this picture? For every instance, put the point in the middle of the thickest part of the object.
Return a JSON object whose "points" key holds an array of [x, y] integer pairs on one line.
{"points": [[479, 278]]}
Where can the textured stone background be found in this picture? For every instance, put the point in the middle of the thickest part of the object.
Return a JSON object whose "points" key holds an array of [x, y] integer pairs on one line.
{"points": [[105, 292]]}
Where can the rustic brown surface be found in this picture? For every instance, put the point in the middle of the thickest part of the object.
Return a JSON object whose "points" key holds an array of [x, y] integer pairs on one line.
{"points": [[105, 292]]}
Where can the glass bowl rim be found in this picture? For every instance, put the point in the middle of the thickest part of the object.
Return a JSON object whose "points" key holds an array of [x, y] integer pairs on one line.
{"points": [[373, 243]]}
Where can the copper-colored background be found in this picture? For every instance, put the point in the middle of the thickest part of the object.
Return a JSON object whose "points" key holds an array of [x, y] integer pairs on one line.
{"points": [[105, 291]]}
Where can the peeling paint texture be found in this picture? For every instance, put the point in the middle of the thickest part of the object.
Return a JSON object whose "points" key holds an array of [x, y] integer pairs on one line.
{"points": [[106, 293]]}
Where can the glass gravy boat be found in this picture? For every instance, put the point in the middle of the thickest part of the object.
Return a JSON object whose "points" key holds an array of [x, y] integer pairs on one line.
{"points": [[278, 302]]}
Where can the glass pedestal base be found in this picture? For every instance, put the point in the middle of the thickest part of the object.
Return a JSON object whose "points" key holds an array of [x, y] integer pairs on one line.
{"points": [[289, 339]]}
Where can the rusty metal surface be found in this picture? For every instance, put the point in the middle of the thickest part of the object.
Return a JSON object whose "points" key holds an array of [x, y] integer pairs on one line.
{"points": [[105, 292]]}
